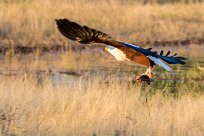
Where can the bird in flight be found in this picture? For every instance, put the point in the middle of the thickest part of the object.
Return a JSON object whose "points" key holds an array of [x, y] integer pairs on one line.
{"points": [[120, 50]]}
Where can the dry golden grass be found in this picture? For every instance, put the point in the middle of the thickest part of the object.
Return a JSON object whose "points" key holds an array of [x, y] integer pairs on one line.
{"points": [[97, 103], [32, 22], [87, 106]]}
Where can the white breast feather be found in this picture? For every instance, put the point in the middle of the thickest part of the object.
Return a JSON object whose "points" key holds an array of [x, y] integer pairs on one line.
{"points": [[118, 54]]}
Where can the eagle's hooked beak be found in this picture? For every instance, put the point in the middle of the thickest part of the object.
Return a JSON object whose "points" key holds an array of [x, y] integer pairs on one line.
{"points": [[105, 49]]}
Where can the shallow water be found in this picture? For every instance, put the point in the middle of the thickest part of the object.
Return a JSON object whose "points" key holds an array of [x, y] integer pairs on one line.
{"points": [[189, 75], [185, 77]]}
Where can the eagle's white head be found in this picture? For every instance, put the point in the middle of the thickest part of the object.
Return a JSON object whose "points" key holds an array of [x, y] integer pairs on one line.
{"points": [[118, 54]]}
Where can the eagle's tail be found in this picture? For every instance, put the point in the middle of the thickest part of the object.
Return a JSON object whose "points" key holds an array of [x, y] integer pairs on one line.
{"points": [[82, 34]]}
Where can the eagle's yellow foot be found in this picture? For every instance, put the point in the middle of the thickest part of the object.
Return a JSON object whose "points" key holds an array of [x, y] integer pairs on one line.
{"points": [[146, 77], [149, 73]]}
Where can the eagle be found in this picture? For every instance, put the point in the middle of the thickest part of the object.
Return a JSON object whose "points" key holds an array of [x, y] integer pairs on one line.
{"points": [[120, 50]]}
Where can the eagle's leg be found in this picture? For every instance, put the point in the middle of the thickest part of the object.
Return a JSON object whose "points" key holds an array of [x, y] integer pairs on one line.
{"points": [[147, 76], [149, 72]]}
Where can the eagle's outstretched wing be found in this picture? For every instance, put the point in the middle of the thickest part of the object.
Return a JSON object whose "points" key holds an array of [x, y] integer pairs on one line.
{"points": [[82, 34], [85, 35]]}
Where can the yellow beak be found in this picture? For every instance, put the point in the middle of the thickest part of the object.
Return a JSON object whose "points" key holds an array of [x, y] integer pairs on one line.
{"points": [[106, 48]]}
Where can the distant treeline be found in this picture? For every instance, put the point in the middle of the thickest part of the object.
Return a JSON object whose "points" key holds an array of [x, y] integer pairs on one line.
{"points": [[170, 1], [162, 1]]}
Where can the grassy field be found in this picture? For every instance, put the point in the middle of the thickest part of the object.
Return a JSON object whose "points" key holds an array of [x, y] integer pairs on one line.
{"points": [[32, 22], [100, 102], [91, 106], [99, 96]]}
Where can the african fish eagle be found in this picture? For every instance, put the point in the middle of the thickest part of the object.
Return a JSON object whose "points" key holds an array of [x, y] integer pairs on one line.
{"points": [[120, 50]]}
